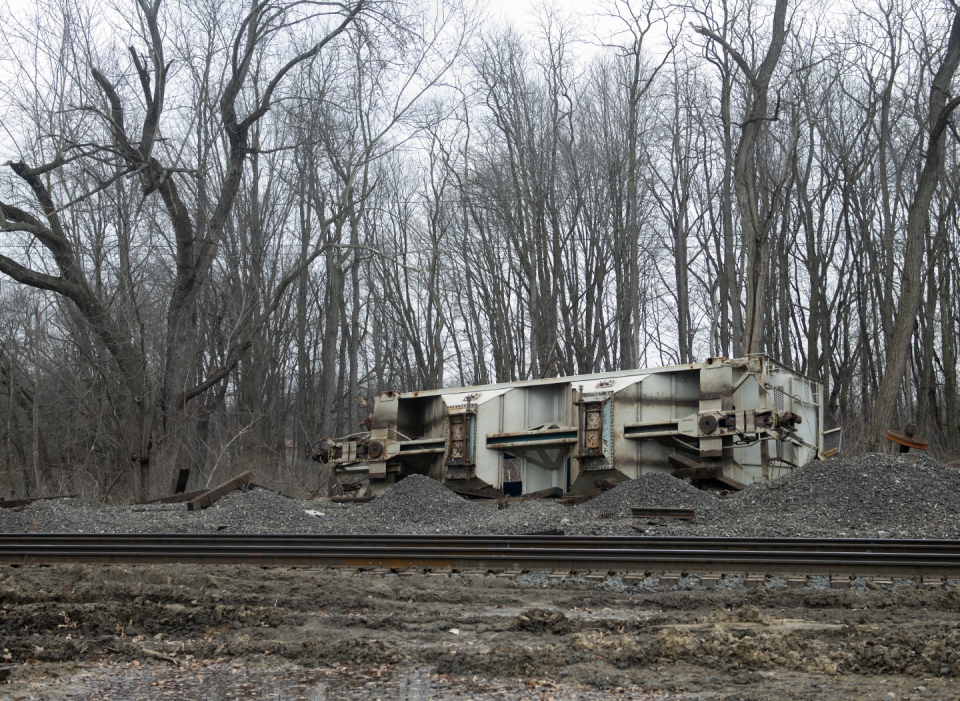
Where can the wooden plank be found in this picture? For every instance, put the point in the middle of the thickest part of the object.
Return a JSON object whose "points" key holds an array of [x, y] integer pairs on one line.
{"points": [[13, 503], [710, 581], [182, 478], [207, 498], [662, 512], [669, 579], [176, 498]]}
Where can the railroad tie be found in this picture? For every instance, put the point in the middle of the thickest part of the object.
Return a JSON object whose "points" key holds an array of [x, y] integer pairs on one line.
{"points": [[633, 578], [557, 575], [510, 574], [669, 579], [839, 582], [797, 581], [440, 572], [754, 581], [710, 581], [596, 576], [932, 583]]}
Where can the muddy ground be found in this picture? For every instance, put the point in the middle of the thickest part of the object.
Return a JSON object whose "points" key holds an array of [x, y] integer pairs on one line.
{"points": [[177, 631]]}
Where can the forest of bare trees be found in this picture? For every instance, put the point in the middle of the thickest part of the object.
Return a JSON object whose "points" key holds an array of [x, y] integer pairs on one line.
{"points": [[227, 225]]}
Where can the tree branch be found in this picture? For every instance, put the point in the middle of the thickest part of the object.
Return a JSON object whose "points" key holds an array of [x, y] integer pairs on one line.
{"points": [[741, 61]]}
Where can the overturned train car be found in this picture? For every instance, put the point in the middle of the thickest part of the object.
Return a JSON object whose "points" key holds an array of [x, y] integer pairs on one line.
{"points": [[733, 420]]}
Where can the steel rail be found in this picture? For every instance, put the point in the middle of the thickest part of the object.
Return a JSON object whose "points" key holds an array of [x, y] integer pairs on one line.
{"points": [[861, 545], [941, 559]]}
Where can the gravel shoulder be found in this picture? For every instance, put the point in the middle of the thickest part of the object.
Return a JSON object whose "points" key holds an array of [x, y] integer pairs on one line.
{"points": [[895, 496]]}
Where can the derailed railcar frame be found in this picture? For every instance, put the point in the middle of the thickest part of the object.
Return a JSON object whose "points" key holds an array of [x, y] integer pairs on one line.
{"points": [[735, 420]]}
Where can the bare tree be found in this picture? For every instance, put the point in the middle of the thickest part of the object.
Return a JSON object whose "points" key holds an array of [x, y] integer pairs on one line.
{"points": [[918, 217], [161, 403], [755, 230]]}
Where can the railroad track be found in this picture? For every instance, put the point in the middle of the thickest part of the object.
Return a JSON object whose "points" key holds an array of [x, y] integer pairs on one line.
{"points": [[756, 556]]}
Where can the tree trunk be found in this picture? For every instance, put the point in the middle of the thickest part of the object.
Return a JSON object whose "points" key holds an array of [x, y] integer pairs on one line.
{"points": [[911, 282], [948, 345]]}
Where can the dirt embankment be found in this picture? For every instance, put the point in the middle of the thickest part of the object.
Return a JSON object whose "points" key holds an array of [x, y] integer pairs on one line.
{"points": [[783, 643]]}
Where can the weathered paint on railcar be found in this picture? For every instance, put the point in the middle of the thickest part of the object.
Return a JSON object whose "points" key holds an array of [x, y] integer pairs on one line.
{"points": [[735, 420]]}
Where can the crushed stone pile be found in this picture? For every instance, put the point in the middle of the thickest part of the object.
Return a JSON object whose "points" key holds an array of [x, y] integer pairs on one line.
{"points": [[651, 489], [871, 496], [534, 516], [415, 504], [893, 496]]}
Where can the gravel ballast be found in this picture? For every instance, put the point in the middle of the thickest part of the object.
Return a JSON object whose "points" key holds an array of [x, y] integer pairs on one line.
{"points": [[886, 496]]}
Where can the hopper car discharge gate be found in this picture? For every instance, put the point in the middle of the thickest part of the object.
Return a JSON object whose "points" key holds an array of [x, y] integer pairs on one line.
{"points": [[736, 420]]}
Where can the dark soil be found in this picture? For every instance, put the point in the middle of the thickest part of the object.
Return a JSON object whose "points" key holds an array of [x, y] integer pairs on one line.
{"points": [[170, 623]]}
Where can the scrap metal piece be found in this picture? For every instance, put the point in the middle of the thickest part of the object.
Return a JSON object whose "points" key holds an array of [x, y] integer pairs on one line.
{"points": [[906, 438]]}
